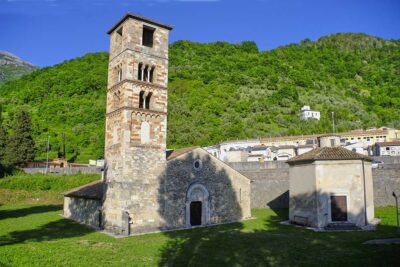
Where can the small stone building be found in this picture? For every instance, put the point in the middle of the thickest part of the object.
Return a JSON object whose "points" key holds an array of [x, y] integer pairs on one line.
{"points": [[146, 187], [330, 186]]}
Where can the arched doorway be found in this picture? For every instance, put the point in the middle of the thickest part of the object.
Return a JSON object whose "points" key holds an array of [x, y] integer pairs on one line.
{"points": [[197, 206]]}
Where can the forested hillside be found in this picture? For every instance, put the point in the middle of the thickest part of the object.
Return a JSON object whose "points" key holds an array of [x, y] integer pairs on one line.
{"points": [[223, 91]]}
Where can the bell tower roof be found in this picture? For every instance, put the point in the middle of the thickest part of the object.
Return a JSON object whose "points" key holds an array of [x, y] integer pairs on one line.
{"points": [[140, 18]]}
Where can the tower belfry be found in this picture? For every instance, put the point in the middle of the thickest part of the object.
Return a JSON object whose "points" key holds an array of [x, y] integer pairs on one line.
{"points": [[136, 123], [145, 189]]}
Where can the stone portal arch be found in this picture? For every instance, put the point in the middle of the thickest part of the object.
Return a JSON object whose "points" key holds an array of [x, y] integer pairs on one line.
{"points": [[197, 200]]}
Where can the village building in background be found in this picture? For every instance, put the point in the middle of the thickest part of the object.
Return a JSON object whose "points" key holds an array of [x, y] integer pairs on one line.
{"points": [[306, 113], [282, 148], [386, 148]]}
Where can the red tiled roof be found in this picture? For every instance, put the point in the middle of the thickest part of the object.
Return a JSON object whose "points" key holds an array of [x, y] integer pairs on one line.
{"points": [[327, 153]]}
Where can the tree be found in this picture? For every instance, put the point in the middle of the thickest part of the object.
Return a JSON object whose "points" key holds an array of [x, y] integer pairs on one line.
{"points": [[3, 145], [3, 137], [21, 147]]}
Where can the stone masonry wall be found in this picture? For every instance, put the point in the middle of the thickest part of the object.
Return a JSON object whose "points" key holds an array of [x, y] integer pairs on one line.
{"points": [[229, 191], [270, 187], [82, 210], [135, 134]]}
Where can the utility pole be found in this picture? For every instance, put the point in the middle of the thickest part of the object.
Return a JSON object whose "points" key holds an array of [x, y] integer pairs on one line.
{"points": [[63, 146], [397, 210], [48, 148], [333, 122]]}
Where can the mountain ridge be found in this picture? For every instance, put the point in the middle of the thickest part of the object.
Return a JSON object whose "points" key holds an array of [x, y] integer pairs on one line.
{"points": [[11, 66]]}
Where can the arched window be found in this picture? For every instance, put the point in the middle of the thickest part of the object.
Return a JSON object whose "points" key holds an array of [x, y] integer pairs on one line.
{"points": [[141, 99], [140, 71], [146, 74], [148, 99], [119, 74], [152, 74], [145, 133]]}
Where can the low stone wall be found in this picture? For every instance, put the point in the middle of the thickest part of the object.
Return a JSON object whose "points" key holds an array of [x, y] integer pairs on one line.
{"points": [[83, 210], [388, 159], [386, 181], [67, 170], [254, 166], [270, 187]]}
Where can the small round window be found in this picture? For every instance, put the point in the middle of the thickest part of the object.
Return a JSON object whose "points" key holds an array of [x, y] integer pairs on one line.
{"points": [[197, 165]]}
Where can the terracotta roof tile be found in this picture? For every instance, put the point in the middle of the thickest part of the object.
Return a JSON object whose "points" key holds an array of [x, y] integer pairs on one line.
{"points": [[94, 190], [328, 153]]}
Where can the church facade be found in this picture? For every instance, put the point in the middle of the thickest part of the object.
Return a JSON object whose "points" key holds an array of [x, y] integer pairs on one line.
{"points": [[146, 187]]}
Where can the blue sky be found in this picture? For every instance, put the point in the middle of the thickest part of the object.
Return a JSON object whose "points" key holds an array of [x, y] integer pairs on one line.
{"points": [[47, 32]]}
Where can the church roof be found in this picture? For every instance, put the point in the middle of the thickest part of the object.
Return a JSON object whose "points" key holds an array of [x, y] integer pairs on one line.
{"points": [[174, 153], [137, 17], [94, 190], [327, 153]]}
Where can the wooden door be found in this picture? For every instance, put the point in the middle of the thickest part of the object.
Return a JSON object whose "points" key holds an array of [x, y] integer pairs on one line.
{"points": [[195, 213], [339, 208]]}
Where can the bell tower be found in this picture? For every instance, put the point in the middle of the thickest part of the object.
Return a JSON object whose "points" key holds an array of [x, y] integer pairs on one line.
{"points": [[136, 124]]}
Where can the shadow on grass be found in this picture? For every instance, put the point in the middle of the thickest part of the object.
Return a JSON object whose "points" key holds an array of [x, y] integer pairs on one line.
{"points": [[6, 214], [60, 229], [273, 244]]}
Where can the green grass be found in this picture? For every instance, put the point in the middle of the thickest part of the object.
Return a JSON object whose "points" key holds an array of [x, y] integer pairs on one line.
{"points": [[33, 233], [43, 182], [39, 188], [36, 235]]}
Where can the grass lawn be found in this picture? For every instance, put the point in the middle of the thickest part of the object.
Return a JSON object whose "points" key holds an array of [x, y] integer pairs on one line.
{"points": [[36, 235], [33, 233]]}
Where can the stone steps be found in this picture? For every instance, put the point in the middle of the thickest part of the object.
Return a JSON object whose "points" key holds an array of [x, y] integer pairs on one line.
{"points": [[341, 226]]}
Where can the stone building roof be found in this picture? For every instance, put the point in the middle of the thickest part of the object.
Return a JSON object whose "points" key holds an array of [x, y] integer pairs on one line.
{"points": [[286, 147], [393, 143], [174, 153], [94, 190], [137, 17], [305, 146], [259, 147], [327, 153]]}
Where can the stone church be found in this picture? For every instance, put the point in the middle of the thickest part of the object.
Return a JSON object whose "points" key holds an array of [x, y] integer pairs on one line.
{"points": [[147, 188]]}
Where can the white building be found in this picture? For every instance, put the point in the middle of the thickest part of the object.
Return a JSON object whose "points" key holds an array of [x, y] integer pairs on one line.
{"points": [[306, 113], [358, 147], [220, 151], [237, 156], [301, 149], [387, 148]]}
